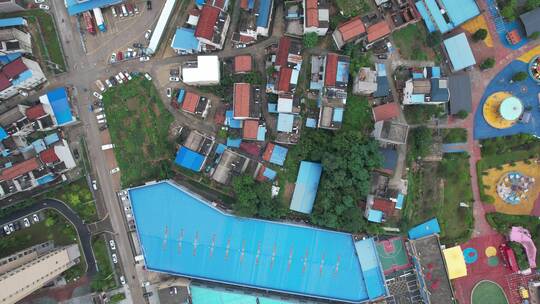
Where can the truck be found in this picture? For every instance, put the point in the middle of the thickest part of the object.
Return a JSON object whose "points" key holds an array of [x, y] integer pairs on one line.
{"points": [[99, 19], [107, 147], [88, 20]]}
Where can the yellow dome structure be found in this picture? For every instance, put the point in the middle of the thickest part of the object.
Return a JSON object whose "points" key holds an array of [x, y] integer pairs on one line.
{"points": [[501, 110]]}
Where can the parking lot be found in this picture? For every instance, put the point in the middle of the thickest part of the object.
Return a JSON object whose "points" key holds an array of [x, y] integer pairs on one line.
{"points": [[21, 223]]}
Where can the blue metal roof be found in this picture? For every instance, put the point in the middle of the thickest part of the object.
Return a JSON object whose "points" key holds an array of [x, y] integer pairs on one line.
{"points": [[231, 122], [417, 75], [220, 148], [418, 98], [261, 133], [381, 70], [51, 139], [189, 159], [182, 234], [342, 74], [22, 77], [75, 7], [5, 59], [435, 12], [272, 108], [234, 142], [212, 295], [428, 228], [278, 156], [375, 216], [285, 122], [458, 11], [264, 13], [306, 186], [3, 134], [270, 174], [337, 115], [311, 123], [371, 268], [436, 72], [15, 21], [181, 95], [383, 87], [39, 145], [184, 39], [390, 158], [439, 93], [60, 106], [425, 15], [459, 51], [200, 2], [400, 201]]}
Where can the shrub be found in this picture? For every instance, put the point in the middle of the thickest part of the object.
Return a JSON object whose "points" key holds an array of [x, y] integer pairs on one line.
{"points": [[534, 35], [480, 34], [520, 76], [310, 40], [488, 199], [487, 64], [434, 39], [462, 114]]}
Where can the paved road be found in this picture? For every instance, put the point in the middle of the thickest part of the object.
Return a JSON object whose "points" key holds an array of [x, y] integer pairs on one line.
{"points": [[82, 230]]}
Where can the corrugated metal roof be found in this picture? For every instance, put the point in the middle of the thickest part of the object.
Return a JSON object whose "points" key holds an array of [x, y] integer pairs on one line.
{"points": [[352, 29], [264, 13], [242, 98], [305, 189], [184, 39], [207, 21], [16, 21], [427, 228], [459, 51], [285, 122], [189, 159]]}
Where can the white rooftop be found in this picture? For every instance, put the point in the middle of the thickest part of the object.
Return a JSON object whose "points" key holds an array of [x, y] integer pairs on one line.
{"points": [[206, 72]]}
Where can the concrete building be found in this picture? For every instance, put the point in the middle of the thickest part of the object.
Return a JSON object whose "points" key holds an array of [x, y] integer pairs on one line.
{"points": [[426, 87], [349, 32], [9, 6], [21, 281], [212, 27], [204, 71], [21, 74], [365, 82], [391, 132], [24, 256], [316, 17], [13, 40]]}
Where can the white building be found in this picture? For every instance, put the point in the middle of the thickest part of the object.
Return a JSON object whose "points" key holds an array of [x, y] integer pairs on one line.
{"points": [[204, 71], [316, 17], [21, 74], [13, 40]]}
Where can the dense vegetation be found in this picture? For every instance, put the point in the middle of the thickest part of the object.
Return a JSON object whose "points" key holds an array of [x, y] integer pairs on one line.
{"points": [[454, 135], [104, 279], [504, 222], [254, 199]]}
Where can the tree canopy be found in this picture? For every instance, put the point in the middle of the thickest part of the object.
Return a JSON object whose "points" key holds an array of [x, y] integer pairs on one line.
{"points": [[255, 199], [310, 40], [480, 34]]}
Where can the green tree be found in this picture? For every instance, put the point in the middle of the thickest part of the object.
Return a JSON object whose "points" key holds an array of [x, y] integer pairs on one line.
{"points": [[433, 39], [534, 35], [462, 114], [509, 10], [532, 4], [310, 40], [254, 198], [421, 140], [49, 222], [520, 76], [487, 64], [480, 34]]}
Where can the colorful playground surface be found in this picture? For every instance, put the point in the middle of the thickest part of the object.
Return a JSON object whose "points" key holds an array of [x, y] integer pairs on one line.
{"points": [[392, 255], [514, 188], [526, 92], [503, 28], [476, 23], [488, 292]]}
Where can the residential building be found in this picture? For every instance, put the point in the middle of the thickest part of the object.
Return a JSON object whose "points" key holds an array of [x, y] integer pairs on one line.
{"points": [[377, 31], [275, 154], [212, 27], [24, 256], [10, 6], [305, 189], [459, 85], [391, 132], [400, 12], [446, 15], [20, 282], [56, 106], [459, 52], [383, 86], [316, 16], [255, 18], [365, 82], [21, 74], [195, 104], [242, 64], [288, 121], [185, 42], [294, 18], [386, 111], [253, 129], [230, 163], [205, 71], [246, 101], [378, 210], [287, 62], [531, 21], [193, 153], [349, 32], [427, 87], [13, 40]]}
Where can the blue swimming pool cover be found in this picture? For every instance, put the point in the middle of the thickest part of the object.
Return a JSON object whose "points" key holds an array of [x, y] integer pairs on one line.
{"points": [[182, 234]]}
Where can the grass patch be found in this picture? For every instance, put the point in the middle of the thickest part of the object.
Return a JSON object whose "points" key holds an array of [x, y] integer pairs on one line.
{"points": [[351, 8], [411, 43], [357, 117], [419, 114], [139, 125], [117, 298], [454, 135], [488, 292], [49, 47], [78, 196], [104, 279]]}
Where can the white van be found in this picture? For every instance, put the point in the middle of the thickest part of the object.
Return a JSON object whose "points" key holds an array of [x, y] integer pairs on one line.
{"points": [[100, 116], [124, 11], [113, 9]]}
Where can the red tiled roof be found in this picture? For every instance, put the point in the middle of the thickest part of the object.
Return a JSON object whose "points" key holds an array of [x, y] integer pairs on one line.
{"points": [[246, 39], [48, 156], [386, 206], [283, 51], [331, 69], [268, 151], [190, 102], [14, 68], [378, 31], [251, 128], [4, 82], [35, 112], [284, 81], [242, 97], [207, 20], [250, 148], [242, 63], [244, 4], [351, 29], [19, 169], [386, 111], [312, 13]]}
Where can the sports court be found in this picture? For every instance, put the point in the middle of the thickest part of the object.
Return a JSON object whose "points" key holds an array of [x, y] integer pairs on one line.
{"points": [[182, 234], [392, 255]]}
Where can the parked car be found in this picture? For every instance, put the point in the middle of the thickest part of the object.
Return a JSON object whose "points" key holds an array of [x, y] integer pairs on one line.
{"points": [[108, 83], [102, 121], [35, 217], [26, 222], [94, 185], [113, 80], [112, 244], [118, 79], [115, 170], [113, 10], [7, 230], [147, 76], [147, 34], [130, 9], [100, 85], [39, 1], [97, 95], [169, 92], [114, 258], [122, 280], [136, 9], [113, 57], [44, 7], [127, 75], [103, 127], [11, 227], [174, 78], [149, 5], [120, 56], [122, 76], [137, 45], [124, 11], [144, 58]]}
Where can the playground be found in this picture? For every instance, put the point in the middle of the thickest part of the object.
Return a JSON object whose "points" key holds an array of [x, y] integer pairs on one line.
{"points": [[488, 292], [392, 255], [506, 103], [515, 189]]}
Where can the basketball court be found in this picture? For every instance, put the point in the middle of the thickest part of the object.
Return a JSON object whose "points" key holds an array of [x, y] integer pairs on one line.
{"points": [[392, 255]]}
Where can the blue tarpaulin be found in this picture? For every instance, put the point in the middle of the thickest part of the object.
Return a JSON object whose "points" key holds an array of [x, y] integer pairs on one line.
{"points": [[428, 228], [39, 145], [306, 186], [400, 201], [51, 139], [220, 148], [181, 95], [272, 108], [337, 116], [189, 159]]}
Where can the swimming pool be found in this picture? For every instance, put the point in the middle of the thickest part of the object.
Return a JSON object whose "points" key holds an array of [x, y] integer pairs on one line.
{"points": [[182, 234]]}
